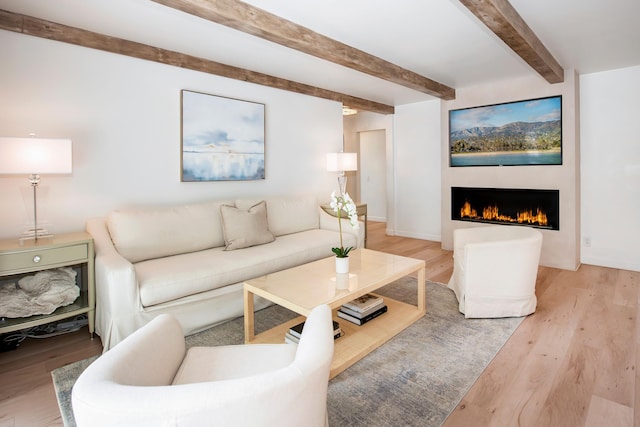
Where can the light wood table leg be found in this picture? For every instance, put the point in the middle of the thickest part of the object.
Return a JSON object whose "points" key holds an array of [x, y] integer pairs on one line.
{"points": [[249, 332], [422, 291], [365, 227]]}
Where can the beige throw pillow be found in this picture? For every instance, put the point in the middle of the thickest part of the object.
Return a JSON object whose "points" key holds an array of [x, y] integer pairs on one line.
{"points": [[245, 228]]}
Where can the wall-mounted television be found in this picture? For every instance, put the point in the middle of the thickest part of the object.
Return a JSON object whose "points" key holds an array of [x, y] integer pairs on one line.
{"points": [[517, 133]]}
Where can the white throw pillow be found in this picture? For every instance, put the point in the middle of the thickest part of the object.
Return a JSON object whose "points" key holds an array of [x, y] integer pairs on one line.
{"points": [[244, 228]]}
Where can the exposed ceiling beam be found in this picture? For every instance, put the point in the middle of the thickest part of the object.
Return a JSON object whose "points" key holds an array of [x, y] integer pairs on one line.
{"points": [[249, 19], [53, 31], [506, 23]]}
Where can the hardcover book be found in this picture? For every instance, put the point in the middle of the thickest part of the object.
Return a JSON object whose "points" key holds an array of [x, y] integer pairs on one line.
{"points": [[364, 303], [292, 339], [358, 314], [363, 320], [296, 330]]}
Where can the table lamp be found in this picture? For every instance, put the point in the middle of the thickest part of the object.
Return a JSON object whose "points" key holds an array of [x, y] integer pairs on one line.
{"points": [[342, 162], [34, 156]]}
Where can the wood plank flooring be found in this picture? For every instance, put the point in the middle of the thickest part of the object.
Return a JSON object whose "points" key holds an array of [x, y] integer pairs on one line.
{"points": [[572, 363]]}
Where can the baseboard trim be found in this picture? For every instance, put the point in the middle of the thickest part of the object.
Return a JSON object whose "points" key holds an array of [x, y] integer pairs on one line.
{"points": [[621, 264], [422, 236]]}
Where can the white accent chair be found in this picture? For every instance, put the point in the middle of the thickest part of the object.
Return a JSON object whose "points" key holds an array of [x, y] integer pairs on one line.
{"points": [[495, 269], [150, 380]]}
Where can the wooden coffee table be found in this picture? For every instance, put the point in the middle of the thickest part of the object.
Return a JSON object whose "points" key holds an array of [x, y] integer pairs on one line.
{"points": [[302, 288]]}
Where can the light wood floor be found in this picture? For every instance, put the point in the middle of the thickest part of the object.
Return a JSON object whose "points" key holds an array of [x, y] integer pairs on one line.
{"points": [[572, 363]]}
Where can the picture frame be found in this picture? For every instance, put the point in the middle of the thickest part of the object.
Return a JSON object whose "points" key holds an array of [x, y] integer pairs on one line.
{"points": [[520, 133], [222, 139]]}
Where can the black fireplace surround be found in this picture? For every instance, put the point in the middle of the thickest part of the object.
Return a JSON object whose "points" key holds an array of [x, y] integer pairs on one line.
{"points": [[511, 206]]}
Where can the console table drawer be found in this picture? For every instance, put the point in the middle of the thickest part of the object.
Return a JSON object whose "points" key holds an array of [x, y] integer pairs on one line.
{"points": [[43, 258]]}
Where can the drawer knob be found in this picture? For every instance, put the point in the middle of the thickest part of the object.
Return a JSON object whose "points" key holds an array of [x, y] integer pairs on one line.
{"points": [[36, 258]]}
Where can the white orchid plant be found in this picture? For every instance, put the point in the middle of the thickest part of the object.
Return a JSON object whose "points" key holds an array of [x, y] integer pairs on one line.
{"points": [[343, 204]]}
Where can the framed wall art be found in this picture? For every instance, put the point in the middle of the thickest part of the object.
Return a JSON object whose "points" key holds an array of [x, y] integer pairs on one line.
{"points": [[511, 134], [222, 138]]}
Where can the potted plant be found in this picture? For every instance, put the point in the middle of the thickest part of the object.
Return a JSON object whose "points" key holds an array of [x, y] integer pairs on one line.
{"points": [[343, 204]]}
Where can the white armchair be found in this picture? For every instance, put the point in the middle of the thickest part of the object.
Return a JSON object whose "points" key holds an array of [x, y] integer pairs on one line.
{"points": [[150, 380], [495, 270]]}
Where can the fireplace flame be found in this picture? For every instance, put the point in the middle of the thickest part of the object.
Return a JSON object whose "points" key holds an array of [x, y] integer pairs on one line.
{"points": [[467, 211], [529, 217], [491, 213]]}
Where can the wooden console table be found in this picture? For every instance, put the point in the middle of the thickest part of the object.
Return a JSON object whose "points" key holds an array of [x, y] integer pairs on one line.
{"points": [[73, 250]]}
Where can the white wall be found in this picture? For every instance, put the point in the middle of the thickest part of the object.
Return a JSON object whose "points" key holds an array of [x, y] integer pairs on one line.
{"points": [[610, 157], [413, 166], [123, 115], [417, 178], [560, 248]]}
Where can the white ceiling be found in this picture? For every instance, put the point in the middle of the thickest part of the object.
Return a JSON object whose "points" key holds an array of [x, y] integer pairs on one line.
{"points": [[439, 39]]}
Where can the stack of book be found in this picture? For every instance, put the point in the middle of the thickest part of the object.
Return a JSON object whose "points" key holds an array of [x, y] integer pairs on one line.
{"points": [[363, 309], [295, 332]]}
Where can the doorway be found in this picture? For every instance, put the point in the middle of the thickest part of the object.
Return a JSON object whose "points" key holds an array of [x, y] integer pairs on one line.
{"points": [[372, 173]]}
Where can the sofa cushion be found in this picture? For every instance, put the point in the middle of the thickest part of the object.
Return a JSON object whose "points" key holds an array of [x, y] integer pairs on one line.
{"points": [[144, 234], [245, 228], [167, 279], [287, 215], [226, 362]]}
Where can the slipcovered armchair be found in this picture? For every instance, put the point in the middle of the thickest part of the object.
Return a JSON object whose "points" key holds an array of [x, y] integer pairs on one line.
{"points": [[150, 380], [495, 270]]}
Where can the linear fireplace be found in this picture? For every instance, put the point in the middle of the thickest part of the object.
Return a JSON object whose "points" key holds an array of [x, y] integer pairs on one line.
{"points": [[534, 208]]}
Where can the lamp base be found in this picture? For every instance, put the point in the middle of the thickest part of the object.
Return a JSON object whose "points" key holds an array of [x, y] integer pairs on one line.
{"points": [[35, 229], [342, 183], [35, 234]]}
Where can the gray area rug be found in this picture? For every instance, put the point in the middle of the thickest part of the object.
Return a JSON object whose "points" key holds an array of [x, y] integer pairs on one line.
{"points": [[415, 379]]}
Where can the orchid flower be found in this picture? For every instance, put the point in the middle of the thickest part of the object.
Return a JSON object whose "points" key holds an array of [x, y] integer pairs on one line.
{"points": [[340, 203]]}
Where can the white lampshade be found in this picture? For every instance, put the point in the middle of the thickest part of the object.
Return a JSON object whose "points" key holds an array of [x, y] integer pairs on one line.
{"points": [[342, 162], [20, 156]]}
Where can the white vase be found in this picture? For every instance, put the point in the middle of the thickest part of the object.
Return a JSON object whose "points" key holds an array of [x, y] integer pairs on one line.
{"points": [[342, 265]]}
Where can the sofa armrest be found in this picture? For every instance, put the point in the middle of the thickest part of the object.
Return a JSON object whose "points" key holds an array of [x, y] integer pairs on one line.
{"points": [[117, 291], [330, 222]]}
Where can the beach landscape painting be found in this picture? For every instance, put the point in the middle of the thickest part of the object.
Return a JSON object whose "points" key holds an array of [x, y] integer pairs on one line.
{"points": [[512, 134], [222, 138]]}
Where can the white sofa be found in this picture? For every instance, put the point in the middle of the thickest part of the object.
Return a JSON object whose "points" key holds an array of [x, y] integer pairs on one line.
{"points": [[191, 260], [495, 269]]}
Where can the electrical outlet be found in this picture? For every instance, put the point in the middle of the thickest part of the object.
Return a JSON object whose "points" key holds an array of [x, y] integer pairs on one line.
{"points": [[587, 242]]}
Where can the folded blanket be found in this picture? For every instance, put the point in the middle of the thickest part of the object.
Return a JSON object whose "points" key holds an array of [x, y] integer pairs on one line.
{"points": [[41, 293]]}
